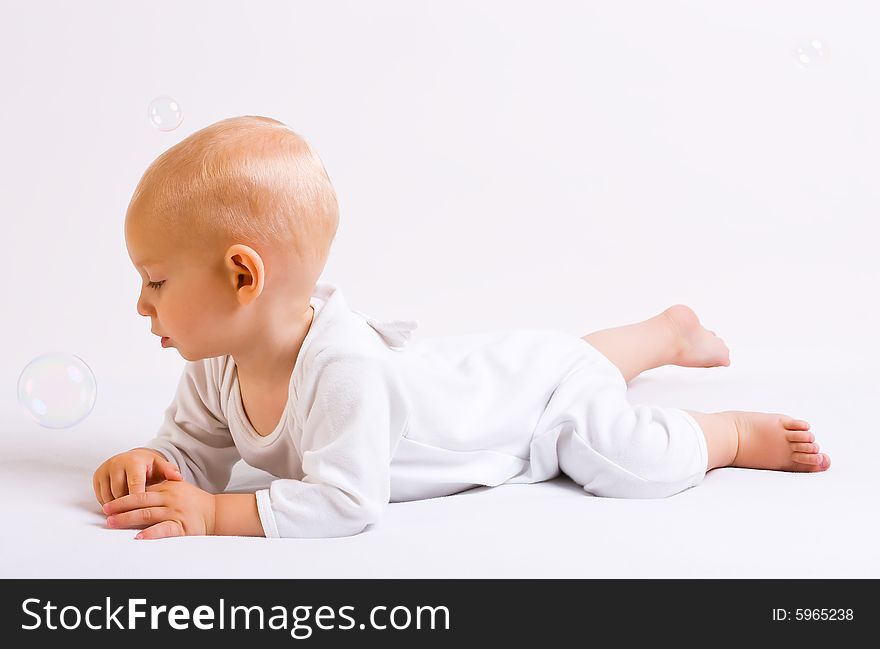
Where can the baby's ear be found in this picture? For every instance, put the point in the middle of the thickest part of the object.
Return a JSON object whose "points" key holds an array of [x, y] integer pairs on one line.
{"points": [[246, 271]]}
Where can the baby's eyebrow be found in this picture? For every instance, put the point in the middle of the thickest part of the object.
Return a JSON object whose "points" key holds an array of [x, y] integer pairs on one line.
{"points": [[143, 270]]}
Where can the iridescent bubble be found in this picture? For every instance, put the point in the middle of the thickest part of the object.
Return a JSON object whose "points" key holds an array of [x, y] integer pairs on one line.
{"points": [[811, 52], [165, 113], [57, 390]]}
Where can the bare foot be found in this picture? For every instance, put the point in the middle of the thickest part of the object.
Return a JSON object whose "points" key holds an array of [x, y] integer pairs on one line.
{"points": [[699, 347], [777, 442]]}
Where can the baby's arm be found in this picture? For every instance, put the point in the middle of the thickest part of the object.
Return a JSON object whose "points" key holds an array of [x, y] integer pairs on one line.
{"points": [[194, 437], [193, 444], [237, 515], [346, 453], [194, 434], [346, 457]]}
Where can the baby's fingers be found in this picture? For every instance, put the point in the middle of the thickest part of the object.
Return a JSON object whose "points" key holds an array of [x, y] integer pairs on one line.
{"points": [[137, 479], [162, 530], [139, 517], [170, 471], [106, 493], [134, 501], [96, 485], [160, 470], [118, 482]]}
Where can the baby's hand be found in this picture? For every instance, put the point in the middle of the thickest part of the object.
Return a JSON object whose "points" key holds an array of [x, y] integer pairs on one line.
{"points": [[170, 508], [130, 473]]}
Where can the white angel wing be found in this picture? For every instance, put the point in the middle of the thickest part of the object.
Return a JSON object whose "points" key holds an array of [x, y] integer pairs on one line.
{"points": [[395, 333]]}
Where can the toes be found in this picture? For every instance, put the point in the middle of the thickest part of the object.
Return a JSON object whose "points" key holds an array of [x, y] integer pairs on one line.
{"points": [[823, 465], [800, 447], [815, 459], [795, 424], [800, 436]]}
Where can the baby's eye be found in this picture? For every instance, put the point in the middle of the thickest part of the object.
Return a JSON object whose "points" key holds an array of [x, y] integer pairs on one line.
{"points": [[155, 285]]}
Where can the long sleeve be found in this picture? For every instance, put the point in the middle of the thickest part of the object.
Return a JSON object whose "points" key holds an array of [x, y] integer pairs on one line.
{"points": [[194, 434], [346, 455]]}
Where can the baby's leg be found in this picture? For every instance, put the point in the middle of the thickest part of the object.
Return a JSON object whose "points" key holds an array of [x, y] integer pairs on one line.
{"points": [[760, 440], [673, 337]]}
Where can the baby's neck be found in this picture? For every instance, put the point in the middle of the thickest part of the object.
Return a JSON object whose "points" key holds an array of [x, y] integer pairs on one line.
{"points": [[270, 361]]}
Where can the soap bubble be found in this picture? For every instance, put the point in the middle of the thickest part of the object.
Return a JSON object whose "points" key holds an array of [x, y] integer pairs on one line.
{"points": [[811, 52], [57, 390], [165, 113]]}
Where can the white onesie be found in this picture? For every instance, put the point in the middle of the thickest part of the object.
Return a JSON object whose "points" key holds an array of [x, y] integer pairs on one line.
{"points": [[373, 417]]}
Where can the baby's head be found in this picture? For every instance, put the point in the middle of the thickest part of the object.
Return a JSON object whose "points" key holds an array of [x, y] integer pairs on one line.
{"points": [[230, 230]]}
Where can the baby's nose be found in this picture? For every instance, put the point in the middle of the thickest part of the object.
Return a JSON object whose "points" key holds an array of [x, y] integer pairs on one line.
{"points": [[142, 307]]}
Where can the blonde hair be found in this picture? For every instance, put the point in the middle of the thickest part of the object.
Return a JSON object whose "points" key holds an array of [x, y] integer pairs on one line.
{"points": [[246, 179]]}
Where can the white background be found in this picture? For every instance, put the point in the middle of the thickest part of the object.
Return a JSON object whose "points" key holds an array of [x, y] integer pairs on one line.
{"points": [[566, 165]]}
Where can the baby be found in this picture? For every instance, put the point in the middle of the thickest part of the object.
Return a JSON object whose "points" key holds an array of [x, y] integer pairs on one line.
{"points": [[230, 230]]}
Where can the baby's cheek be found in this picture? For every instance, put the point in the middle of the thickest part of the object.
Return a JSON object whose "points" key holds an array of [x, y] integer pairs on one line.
{"points": [[186, 318], [200, 307]]}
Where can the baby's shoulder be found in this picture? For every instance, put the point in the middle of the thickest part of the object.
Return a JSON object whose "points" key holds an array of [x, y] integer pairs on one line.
{"points": [[340, 356]]}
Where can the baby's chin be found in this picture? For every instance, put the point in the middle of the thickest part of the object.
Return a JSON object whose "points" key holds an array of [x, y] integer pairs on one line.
{"points": [[189, 356], [185, 354], [195, 356]]}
